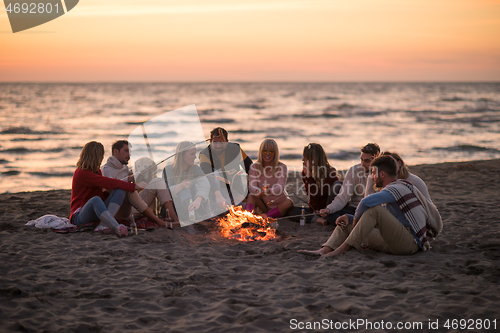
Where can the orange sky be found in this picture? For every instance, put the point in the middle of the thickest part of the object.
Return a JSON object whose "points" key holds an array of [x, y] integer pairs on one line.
{"points": [[273, 40]]}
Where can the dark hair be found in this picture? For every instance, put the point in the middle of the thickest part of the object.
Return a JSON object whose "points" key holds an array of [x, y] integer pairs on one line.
{"points": [[385, 163], [118, 145], [371, 148], [215, 133]]}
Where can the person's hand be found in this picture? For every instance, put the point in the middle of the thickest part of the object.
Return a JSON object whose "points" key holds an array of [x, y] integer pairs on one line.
{"points": [[324, 212], [221, 203], [181, 186], [130, 178], [195, 204], [342, 220], [355, 221], [138, 187]]}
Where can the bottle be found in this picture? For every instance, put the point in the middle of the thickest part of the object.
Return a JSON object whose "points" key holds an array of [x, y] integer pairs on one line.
{"points": [[133, 226], [303, 218], [168, 219], [191, 212]]}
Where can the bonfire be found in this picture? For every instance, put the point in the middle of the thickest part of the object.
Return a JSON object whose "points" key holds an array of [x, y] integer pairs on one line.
{"points": [[246, 227]]}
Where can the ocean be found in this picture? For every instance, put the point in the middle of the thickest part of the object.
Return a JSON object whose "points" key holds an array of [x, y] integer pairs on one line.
{"points": [[43, 126]]}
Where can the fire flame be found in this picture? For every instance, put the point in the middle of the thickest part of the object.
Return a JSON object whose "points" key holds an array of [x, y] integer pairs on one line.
{"points": [[244, 226]]}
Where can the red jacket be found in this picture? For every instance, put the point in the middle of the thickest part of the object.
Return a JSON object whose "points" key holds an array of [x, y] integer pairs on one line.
{"points": [[87, 184]]}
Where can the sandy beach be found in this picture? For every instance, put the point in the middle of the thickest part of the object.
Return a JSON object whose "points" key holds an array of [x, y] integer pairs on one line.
{"points": [[177, 281]]}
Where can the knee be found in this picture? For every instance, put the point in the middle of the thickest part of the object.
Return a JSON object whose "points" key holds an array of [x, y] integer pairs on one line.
{"points": [[375, 210]]}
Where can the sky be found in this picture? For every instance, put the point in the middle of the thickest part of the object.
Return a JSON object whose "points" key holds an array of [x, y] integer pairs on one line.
{"points": [[273, 40]]}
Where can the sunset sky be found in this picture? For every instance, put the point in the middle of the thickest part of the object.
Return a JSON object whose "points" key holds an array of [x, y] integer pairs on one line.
{"points": [[273, 40]]}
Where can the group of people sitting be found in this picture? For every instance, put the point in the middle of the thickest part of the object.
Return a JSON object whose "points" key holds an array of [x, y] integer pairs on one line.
{"points": [[226, 176]]}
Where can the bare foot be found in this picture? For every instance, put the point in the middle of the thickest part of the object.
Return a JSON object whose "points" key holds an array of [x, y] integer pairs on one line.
{"points": [[341, 249], [122, 230], [321, 252]]}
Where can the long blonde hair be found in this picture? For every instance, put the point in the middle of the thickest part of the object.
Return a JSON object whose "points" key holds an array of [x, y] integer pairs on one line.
{"points": [[268, 144], [91, 156], [404, 171], [318, 161], [178, 163]]}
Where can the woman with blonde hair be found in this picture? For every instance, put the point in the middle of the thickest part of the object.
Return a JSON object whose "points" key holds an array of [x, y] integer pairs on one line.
{"points": [[267, 182], [88, 201], [187, 182]]}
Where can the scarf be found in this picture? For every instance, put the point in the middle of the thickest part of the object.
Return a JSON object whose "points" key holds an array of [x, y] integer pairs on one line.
{"points": [[423, 216]]}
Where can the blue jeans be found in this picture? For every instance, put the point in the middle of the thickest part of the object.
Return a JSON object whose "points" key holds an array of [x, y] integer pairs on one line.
{"points": [[95, 207]]}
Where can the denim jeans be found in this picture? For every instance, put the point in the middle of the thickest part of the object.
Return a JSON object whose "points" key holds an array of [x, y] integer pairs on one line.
{"points": [[95, 207]]}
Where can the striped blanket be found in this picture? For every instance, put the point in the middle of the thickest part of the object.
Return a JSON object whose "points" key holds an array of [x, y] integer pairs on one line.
{"points": [[423, 216]]}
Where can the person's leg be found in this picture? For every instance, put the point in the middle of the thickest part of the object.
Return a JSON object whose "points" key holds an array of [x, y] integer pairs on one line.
{"points": [[141, 203], [90, 212], [256, 201], [95, 210], [115, 200], [339, 235], [399, 239]]}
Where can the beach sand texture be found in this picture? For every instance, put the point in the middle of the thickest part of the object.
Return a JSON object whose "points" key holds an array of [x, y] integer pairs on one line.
{"points": [[174, 281]]}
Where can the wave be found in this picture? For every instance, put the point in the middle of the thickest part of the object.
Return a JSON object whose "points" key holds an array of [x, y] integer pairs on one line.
{"points": [[210, 111], [51, 174], [23, 150], [343, 106], [325, 98], [2, 161], [20, 150], [468, 148], [290, 156], [11, 173], [250, 106], [25, 130], [220, 120], [344, 155], [27, 139], [241, 131], [453, 99]]}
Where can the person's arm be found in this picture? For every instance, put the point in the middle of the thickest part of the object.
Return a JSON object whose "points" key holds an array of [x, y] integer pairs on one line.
{"points": [[369, 186], [420, 185], [281, 177], [91, 179], [373, 200], [254, 181], [206, 166], [246, 160], [345, 194], [202, 184]]}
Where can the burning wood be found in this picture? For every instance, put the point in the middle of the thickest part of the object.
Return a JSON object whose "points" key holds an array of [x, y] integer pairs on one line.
{"points": [[246, 227]]}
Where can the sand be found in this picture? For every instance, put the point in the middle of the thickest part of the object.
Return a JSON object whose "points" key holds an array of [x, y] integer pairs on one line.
{"points": [[176, 281]]}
